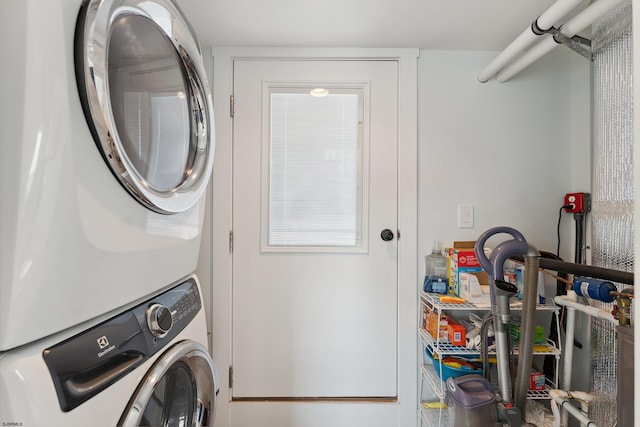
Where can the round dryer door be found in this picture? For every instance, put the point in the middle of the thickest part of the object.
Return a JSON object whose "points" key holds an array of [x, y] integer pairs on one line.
{"points": [[146, 98], [179, 390]]}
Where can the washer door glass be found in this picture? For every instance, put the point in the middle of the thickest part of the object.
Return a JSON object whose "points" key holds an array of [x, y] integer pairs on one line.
{"points": [[145, 95], [173, 400], [179, 390]]}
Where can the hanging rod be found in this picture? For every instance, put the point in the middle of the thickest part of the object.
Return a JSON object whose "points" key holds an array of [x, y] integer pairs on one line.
{"points": [[576, 24]]}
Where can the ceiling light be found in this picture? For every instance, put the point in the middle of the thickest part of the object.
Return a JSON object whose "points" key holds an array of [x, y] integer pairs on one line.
{"points": [[319, 92]]}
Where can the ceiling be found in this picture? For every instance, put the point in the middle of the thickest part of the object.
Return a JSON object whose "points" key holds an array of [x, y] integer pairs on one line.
{"points": [[426, 24]]}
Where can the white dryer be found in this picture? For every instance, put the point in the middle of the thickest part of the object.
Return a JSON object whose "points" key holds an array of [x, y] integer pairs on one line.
{"points": [[106, 149], [145, 366]]}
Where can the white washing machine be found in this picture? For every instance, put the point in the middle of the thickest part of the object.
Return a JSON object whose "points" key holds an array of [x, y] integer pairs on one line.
{"points": [[148, 365], [106, 148]]}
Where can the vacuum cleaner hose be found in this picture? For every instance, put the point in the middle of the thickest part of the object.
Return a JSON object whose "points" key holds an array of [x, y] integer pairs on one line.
{"points": [[530, 299]]}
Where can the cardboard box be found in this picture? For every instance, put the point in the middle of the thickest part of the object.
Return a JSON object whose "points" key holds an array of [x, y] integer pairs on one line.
{"points": [[463, 255], [436, 326], [457, 333], [536, 381], [474, 287], [461, 258]]}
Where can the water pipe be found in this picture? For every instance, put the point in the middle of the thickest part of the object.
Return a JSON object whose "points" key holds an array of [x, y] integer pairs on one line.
{"points": [[571, 302], [576, 24], [547, 20], [562, 397], [617, 276]]}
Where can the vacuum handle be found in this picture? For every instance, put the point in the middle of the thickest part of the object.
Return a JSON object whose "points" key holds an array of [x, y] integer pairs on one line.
{"points": [[479, 246]]}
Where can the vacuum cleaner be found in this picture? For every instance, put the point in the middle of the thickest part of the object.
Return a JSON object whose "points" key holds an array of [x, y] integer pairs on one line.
{"points": [[509, 407]]}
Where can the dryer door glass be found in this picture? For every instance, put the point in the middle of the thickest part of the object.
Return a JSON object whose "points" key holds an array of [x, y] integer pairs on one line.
{"points": [[145, 95], [148, 96]]}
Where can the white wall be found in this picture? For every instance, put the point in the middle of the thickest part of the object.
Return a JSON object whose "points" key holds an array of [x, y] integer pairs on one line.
{"points": [[512, 149], [507, 148]]}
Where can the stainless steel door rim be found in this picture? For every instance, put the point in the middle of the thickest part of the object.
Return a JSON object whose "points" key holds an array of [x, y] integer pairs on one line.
{"points": [[146, 98]]}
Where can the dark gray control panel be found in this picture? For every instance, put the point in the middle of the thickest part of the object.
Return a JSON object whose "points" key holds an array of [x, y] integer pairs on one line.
{"points": [[87, 363]]}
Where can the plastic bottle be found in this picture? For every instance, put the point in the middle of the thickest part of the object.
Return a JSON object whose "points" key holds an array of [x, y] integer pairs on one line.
{"points": [[520, 282], [436, 279]]}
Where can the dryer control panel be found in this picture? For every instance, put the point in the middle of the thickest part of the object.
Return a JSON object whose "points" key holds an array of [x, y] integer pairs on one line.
{"points": [[87, 363]]}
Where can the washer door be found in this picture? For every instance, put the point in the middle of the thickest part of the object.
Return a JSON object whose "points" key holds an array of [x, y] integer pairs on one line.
{"points": [[146, 98], [179, 390]]}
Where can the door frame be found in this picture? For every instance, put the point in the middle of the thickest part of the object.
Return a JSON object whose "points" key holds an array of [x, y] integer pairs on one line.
{"points": [[221, 261]]}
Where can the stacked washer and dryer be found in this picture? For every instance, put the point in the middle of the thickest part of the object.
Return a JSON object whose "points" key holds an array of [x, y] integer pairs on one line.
{"points": [[106, 148]]}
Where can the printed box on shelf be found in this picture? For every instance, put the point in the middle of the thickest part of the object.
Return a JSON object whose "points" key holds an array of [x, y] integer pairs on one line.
{"points": [[474, 287], [461, 258], [536, 381], [436, 325], [457, 333], [463, 255]]}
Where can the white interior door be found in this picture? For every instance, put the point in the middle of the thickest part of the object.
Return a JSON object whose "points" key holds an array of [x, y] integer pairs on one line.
{"points": [[315, 292]]}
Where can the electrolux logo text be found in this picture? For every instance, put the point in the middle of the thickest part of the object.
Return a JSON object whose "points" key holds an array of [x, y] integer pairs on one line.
{"points": [[102, 343]]}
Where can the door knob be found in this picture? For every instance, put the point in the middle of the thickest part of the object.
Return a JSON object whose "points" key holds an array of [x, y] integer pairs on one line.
{"points": [[386, 235]]}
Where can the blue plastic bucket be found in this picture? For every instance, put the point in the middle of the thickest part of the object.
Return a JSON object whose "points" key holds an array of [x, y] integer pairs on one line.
{"points": [[445, 372]]}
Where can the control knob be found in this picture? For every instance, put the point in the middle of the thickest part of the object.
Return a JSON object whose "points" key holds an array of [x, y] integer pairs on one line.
{"points": [[159, 320]]}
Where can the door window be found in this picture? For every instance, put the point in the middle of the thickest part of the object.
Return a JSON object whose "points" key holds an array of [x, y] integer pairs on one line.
{"points": [[315, 168]]}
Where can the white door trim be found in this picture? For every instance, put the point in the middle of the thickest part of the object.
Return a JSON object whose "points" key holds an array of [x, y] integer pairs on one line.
{"points": [[222, 87]]}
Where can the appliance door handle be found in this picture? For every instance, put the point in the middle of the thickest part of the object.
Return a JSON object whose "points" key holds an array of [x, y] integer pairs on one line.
{"points": [[98, 378]]}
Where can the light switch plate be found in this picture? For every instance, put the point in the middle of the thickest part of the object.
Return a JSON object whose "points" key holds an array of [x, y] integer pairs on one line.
{"points": [[465, 216]]}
